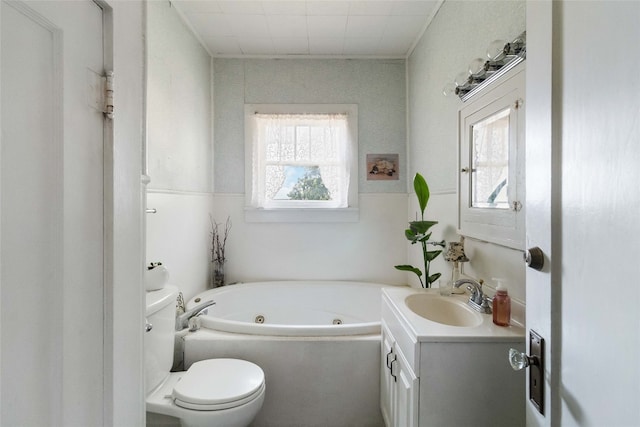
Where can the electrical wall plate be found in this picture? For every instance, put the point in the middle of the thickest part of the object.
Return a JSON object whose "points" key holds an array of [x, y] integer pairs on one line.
{"points": [[536, 371]]}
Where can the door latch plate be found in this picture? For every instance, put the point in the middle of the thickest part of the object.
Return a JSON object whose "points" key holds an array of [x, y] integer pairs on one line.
{"points": [[536, 371]]}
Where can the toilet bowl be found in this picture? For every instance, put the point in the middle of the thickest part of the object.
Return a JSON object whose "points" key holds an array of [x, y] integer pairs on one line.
{"points": [[212, 392]]}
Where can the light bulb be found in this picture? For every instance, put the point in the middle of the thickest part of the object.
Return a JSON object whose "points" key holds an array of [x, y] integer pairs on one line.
{"points": [[449, 89], [462, 79], [476, 67], [495, 50]]}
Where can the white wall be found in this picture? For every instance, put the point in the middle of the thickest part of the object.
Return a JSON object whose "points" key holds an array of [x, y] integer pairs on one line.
{"points": [[460, 32], [179, 153], [377, 86], [179, 149], [365, 250], [178, 236]]}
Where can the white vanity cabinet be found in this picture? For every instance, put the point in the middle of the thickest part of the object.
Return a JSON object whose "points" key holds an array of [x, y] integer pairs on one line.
{"points": [[437, 375], [399, 385]]}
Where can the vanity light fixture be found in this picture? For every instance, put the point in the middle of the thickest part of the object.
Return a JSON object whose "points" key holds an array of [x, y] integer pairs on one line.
{"points": [[502, 56]]}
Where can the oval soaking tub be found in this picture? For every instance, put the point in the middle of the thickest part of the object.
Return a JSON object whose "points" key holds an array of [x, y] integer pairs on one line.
{"points": [[293, 308], [318, 373]]}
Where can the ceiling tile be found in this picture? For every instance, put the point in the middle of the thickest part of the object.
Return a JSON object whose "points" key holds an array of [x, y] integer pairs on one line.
{"points": [[361, 45], [223, 45], [256, 46], [326, 26], [284, 7], [369, 8], [211, 24], [423, 8], [404, 26], [365, 26], [287, 26], [394, 46], [326, 45], [291, 46], [236, 7], [323, 8], [249, 26]]}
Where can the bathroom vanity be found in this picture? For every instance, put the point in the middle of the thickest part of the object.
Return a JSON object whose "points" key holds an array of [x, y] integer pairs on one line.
{"points": [[436, 374]]}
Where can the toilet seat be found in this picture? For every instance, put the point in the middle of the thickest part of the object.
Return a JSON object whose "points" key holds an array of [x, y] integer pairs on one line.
{"points": [[216, 384]]}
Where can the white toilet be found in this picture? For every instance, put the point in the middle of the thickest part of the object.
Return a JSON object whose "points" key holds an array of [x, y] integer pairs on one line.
{"points": [[211, 393]]}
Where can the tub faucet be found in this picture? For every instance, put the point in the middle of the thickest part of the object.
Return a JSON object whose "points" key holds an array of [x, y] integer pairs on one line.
{"points": [[477, 300], [182, 320]]}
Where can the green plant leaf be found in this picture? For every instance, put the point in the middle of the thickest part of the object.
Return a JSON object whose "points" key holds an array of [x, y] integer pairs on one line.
{"points": [[409, 268], [422, 191], [421, 227], [409, 234], [431, 255], [433, 277]]}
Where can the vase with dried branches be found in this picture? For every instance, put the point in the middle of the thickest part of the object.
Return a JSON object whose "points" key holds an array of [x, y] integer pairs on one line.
{"points": [[219, 234]]}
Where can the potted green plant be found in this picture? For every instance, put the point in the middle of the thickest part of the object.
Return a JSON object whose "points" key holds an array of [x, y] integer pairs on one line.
{"points": [[418, 232]]}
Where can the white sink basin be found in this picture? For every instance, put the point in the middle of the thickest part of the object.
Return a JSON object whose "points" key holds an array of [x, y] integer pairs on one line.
{"points": [[443, 310]]}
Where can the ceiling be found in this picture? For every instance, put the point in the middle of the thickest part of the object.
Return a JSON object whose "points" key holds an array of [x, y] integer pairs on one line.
{"points": [[369, 28]]}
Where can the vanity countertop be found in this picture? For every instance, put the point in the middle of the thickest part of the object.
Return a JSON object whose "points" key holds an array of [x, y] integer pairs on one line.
{"points": [[424, 330]]}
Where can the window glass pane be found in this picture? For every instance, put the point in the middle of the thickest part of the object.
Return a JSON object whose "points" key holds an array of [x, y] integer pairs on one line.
{"points": [[490, 162], [299, 183]]}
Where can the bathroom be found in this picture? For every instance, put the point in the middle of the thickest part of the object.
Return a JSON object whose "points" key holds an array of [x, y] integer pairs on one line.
{"points": [[194, 99], [421, 128]]}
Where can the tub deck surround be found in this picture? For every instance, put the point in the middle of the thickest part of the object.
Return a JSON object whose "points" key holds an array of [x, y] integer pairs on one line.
{"points": [[293, 308]]}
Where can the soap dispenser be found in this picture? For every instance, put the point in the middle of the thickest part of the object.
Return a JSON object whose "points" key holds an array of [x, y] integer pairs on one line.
{"points": [[501, 306]]}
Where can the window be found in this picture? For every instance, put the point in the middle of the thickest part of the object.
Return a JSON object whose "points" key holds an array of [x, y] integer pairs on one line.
{"points": [[301, 162]]}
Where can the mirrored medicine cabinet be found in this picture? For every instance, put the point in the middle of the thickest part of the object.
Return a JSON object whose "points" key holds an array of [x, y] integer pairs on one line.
{"points": [[491, 173]]}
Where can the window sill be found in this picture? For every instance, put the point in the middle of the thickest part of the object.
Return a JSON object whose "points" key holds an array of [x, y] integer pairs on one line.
{"points": [[301, 215]]}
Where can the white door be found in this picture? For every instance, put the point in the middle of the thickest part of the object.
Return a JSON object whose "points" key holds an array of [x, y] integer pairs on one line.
{"points": [[51, 225], [583, 133]]}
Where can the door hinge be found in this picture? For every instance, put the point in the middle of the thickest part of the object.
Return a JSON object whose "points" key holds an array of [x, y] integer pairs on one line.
{"points": [[108, 95]]}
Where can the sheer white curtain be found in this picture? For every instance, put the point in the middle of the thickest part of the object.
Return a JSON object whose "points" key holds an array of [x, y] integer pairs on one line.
{"points": [[299, 140]]}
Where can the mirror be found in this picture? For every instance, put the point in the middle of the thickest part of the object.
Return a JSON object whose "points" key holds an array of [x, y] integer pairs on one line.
{"points": [[491, 163]]}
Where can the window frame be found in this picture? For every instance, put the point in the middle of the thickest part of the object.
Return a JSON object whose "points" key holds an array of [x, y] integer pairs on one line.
{"points": [[304, 212]]}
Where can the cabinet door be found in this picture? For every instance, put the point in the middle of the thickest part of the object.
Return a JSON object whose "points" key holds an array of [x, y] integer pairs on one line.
{"points": [[406, 393], [387, 382]]}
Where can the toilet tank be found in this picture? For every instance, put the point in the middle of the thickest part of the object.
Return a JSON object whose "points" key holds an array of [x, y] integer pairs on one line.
{"points": [[159, 341]]}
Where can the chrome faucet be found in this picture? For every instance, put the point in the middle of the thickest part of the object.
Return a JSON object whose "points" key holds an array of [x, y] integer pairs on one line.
{"points": [[182, 320], [477, 300]]}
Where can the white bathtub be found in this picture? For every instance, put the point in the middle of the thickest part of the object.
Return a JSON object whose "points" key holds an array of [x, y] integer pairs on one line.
{"points": [[318, 374], [296, 308]]}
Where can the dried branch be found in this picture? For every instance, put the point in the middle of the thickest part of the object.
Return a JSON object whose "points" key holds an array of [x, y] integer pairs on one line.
{"points": [[219, 239]]}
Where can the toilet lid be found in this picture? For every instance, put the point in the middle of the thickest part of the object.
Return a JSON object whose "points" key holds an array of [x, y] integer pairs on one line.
{"points": [[218, 382]]}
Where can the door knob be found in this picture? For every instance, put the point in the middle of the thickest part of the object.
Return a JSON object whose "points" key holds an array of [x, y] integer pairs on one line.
{"points": [[535, 362], [519, 360], [534, 258]]}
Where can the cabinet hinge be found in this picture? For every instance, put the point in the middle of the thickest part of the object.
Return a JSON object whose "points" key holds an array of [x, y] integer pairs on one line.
{"points": [[516, 206], [108, 94], [518, 103]]}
